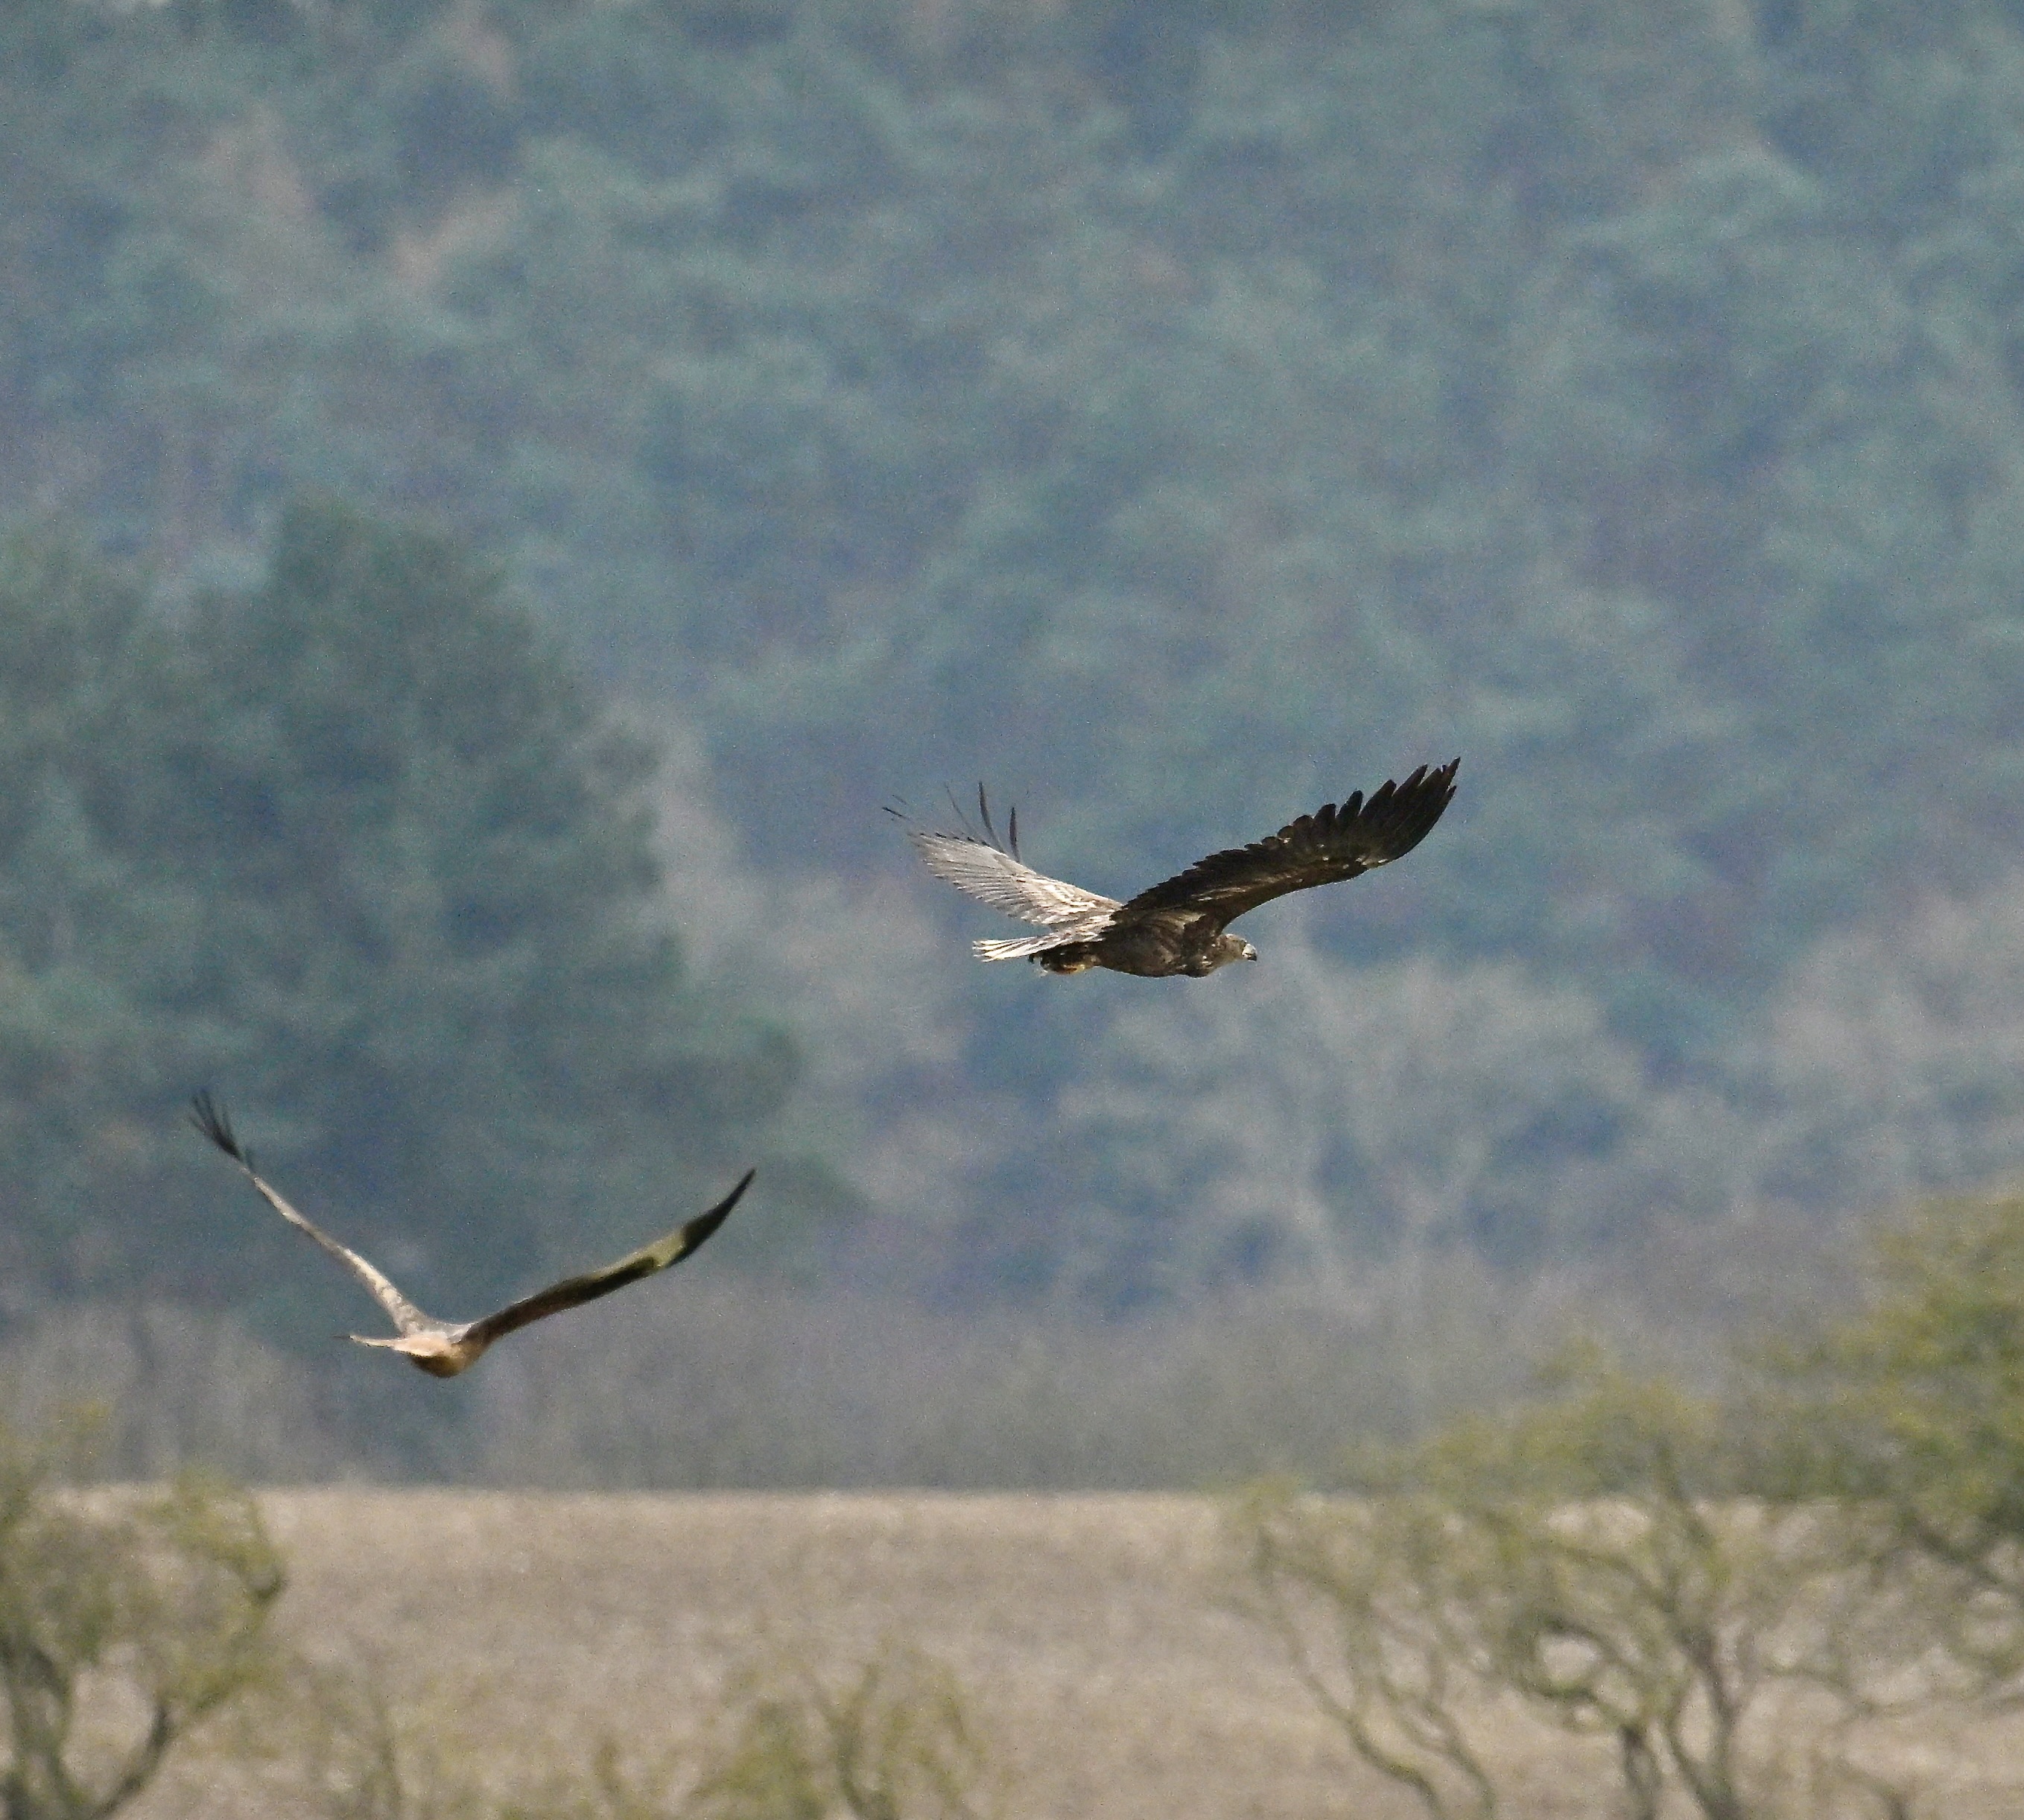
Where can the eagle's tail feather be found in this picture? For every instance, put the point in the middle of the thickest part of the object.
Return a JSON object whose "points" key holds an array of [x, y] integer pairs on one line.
{"points": [[1016, 947]]}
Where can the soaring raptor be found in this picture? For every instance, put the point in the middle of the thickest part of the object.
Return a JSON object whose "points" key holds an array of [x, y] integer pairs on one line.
{"points": [[443, 1348], [1180, 926]]}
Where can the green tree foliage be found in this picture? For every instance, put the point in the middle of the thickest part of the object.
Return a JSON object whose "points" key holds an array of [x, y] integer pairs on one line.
{"points": [[113, 1608], [358, 847], [1179, 423], [82, 926], [440, 947]]}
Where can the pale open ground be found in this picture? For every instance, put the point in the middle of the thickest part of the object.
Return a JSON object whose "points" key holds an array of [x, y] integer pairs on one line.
{"points": [[1087, 1629]]}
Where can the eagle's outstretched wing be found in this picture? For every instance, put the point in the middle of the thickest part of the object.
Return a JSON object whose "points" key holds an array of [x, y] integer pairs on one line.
{"points": [[573, 1292], [1331, 844], [210, 1118], [992, 871]]}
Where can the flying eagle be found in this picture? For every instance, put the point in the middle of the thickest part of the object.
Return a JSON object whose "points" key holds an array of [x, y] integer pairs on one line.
{"points": [[443, 1348], [1179, 925]]}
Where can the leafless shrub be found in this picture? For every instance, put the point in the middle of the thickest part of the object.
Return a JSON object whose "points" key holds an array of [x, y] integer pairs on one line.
{"points": [[1365, 1599]]}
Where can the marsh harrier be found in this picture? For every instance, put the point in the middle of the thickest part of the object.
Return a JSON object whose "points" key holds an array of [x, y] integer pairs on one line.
{"points": [[443, 1348]]}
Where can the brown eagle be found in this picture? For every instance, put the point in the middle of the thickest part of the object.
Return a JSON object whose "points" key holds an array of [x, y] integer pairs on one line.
{"points": [[1180, 926], [443, 1348]]}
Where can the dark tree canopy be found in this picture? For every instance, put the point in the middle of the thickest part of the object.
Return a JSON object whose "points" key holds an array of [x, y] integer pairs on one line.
{"points": [[360, 846]]}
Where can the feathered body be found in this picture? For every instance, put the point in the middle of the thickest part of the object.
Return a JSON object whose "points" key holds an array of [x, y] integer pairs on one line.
{"points": [[1181, 926]]}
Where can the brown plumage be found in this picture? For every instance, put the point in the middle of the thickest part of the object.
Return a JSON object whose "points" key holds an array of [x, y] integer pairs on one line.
{"points": [[443, 1348], [1179, 926]]}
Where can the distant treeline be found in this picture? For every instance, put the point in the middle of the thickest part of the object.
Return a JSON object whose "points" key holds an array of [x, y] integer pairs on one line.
{"points": [[1180, 415]]}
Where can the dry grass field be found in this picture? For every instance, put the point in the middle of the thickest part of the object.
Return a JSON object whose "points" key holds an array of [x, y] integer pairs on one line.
{"points": [[515, 1631]]}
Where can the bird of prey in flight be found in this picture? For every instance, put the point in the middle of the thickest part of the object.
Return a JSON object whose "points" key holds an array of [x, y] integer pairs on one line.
{"points": [[443, 1348], [1180, 926]]}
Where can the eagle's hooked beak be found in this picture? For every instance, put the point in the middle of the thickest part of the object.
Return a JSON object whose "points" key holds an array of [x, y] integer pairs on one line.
{"points": [[1250, 953]]}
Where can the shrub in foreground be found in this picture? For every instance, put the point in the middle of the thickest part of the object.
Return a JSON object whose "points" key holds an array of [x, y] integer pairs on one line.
{"points": [[893, 1738], [125, 1622], [1592, 1564]]}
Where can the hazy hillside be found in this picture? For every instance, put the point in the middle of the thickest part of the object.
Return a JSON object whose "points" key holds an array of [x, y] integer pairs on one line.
{"points": [[1179, 417]]}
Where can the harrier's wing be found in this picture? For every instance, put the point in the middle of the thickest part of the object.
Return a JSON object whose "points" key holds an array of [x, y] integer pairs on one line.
{"points": [[993, 873], [210, 1118], [573, 1292], [1331, 844]]}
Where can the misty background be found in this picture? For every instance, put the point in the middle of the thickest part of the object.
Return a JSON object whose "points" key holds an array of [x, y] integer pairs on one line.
{"points": [[505, 491]]}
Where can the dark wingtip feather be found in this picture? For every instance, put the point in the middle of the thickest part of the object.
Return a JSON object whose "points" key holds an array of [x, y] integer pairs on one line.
{"points": [[1011, 843], [1408, 810], [210, 1118], [704, 1224], [989, 835]]}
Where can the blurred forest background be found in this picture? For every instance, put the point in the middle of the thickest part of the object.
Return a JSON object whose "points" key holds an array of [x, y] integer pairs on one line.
{"points": [[503, 490]]}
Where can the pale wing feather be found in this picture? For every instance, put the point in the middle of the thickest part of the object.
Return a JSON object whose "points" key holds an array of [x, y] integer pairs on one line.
{"points": [[993, 876], [1023, 947], [209, 1118], [402, 1312]]}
